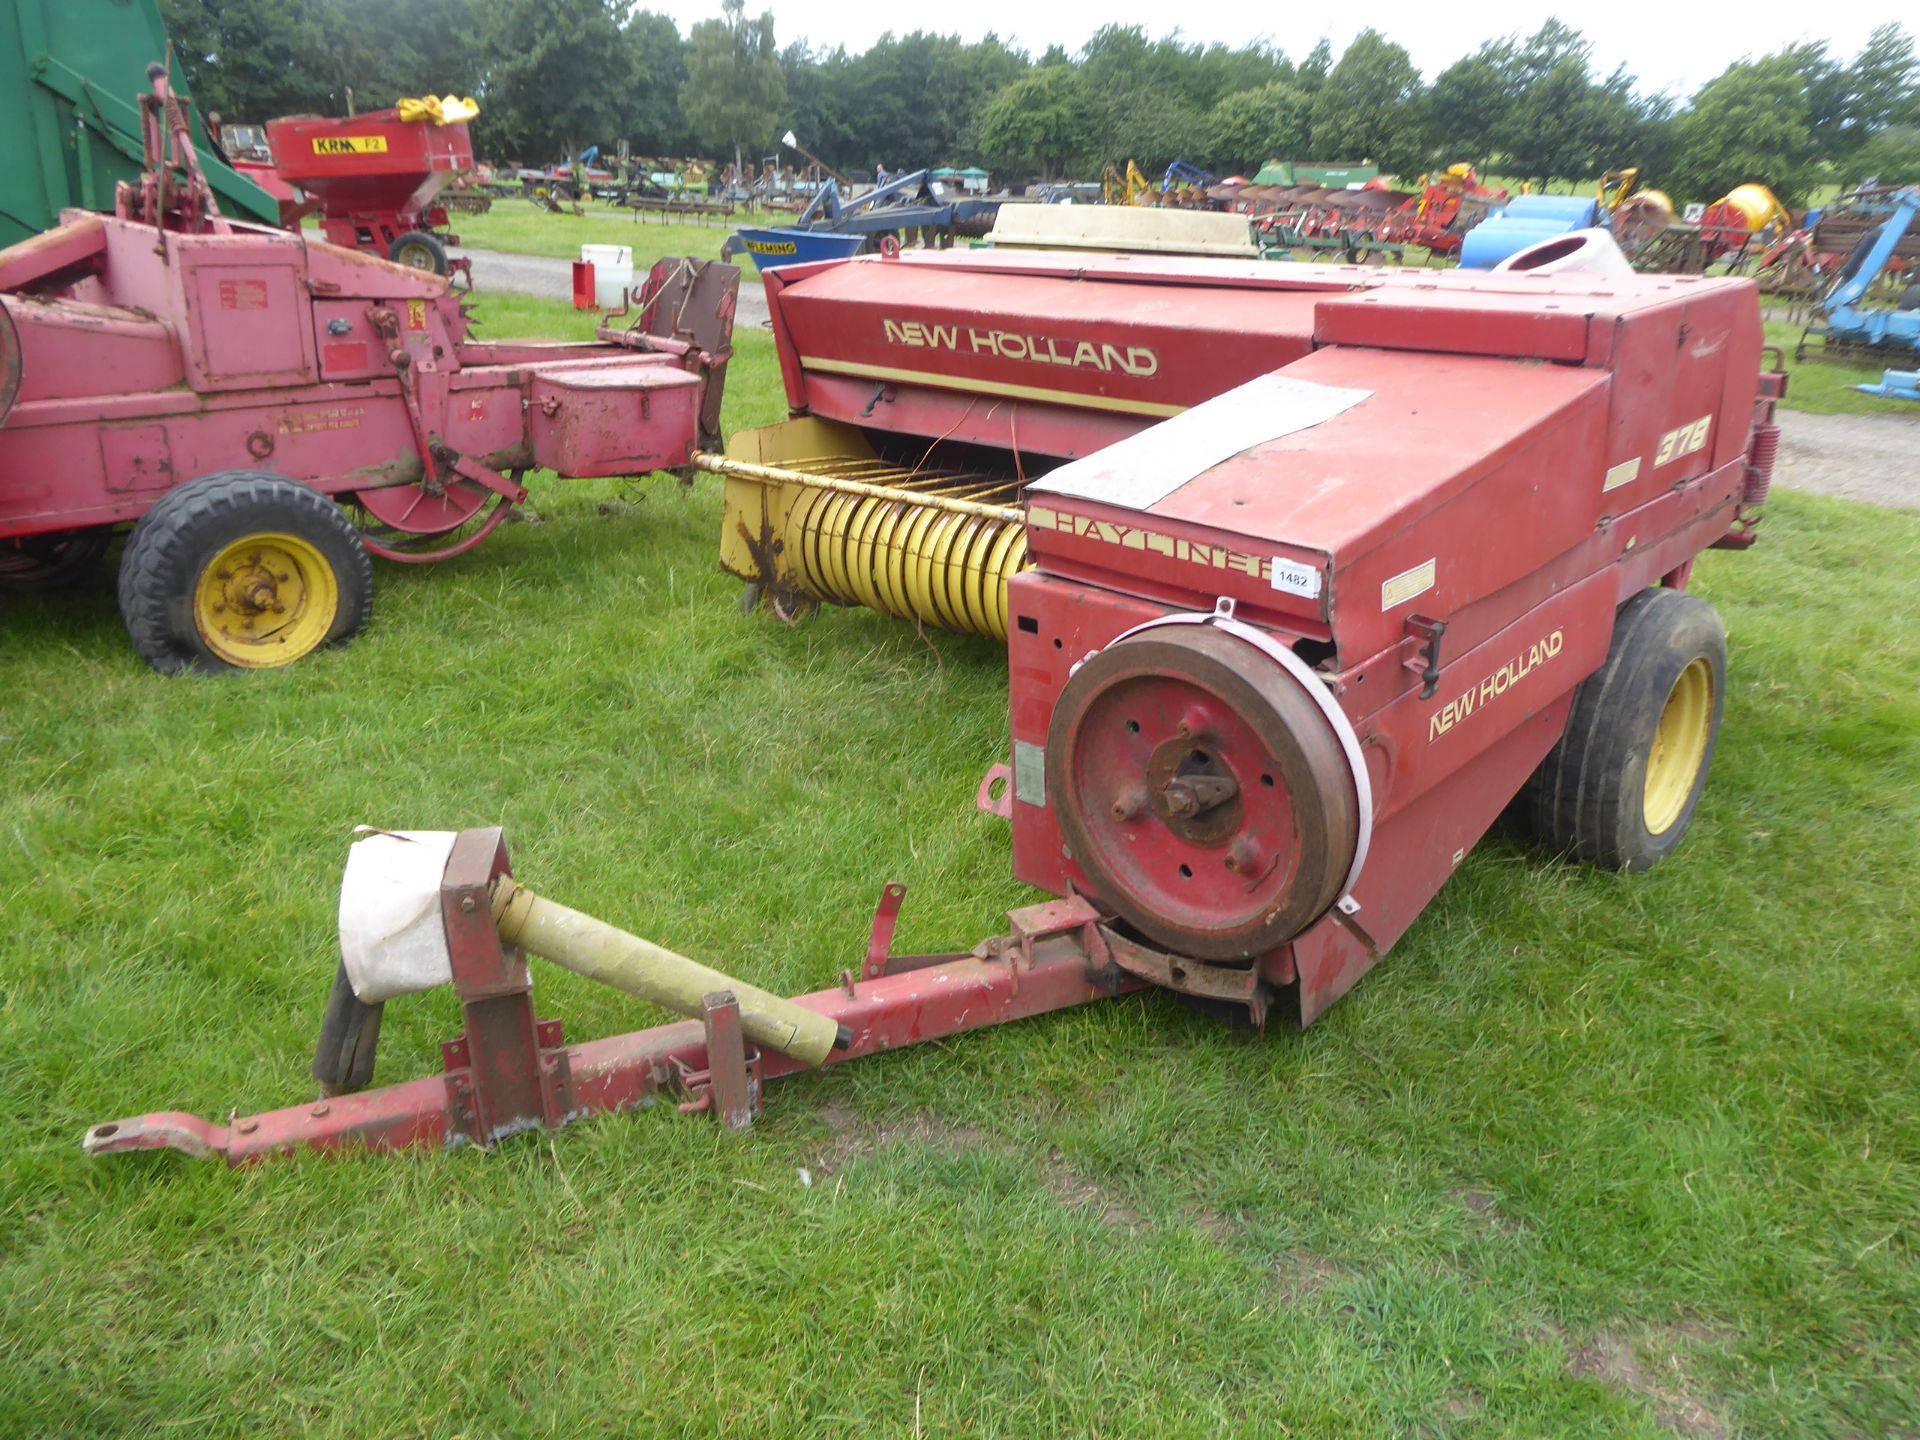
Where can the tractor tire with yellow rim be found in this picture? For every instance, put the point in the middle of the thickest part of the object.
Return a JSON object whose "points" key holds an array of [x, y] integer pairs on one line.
{"points": [[242, 570], [419, 250], [1620, 788]]}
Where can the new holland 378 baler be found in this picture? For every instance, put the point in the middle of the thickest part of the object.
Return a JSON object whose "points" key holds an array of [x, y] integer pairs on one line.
{"points": [[1306, 574]]}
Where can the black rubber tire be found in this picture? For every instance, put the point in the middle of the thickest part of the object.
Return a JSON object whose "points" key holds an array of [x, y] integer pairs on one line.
{"points": [[176, 539], [34, 564], [1587, 799], [419, 243]]}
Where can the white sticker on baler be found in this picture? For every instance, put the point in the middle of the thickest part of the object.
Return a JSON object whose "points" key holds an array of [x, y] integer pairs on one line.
{"points": [[1146, 467], [1407, 584], [1290, 577], [1625, 473], [1029, 773]]}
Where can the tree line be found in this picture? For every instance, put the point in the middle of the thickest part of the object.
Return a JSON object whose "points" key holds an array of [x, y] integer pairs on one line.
{"points": [[554, 76]]}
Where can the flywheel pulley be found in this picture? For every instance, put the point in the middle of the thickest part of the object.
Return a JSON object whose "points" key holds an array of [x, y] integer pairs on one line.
{"points": [[1207, 794]]}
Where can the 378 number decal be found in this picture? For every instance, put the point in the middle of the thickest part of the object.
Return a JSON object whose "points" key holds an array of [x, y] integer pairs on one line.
{"points": [[1687, 439]]}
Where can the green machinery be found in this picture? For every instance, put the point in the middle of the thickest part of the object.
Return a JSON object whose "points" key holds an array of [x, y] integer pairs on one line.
{"points": [[1341, 175], [71, 74]]}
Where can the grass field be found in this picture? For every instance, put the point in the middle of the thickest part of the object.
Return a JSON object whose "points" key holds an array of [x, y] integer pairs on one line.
{"points": [[1589, 1155], [522, 228]]}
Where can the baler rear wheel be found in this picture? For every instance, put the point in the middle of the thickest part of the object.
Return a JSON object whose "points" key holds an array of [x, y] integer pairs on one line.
{"points": [[242, 570], [418, 250], [1622, 785], [31, 564]]}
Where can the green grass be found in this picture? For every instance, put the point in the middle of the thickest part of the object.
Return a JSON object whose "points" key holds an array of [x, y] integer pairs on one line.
{"points": [[1589, 1155], [522, 228]]}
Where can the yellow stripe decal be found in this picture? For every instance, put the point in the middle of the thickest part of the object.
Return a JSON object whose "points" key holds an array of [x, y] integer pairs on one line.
{"points": [[990, 387]]}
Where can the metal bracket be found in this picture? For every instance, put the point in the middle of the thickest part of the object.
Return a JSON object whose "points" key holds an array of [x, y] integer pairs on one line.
{"points": [[729, 1088], [880, 938], [1426, 664], [1236, 984], [1051, 917], [987, 801]]}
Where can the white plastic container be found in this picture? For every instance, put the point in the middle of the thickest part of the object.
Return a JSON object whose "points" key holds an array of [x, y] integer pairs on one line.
{"points": [[1579, 252], [612, 272]]}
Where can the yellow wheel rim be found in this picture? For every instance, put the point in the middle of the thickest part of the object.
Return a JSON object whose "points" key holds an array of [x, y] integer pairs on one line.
{"points": [[266, 600], [415, 257], [1679, 747]]}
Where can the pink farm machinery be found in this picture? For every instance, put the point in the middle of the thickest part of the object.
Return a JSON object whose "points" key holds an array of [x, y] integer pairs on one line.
{"points": [[269, 410], [1269, 681]]}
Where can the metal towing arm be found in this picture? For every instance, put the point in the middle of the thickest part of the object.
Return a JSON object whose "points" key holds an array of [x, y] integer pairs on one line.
{"points": [[510, 1071]]}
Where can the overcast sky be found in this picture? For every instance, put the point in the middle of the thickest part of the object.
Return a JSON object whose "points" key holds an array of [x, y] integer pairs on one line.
{"points": [[1670, 46]]}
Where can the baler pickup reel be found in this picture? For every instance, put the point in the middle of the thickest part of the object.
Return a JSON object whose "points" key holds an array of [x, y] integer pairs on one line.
{"points": [[421, 909]]}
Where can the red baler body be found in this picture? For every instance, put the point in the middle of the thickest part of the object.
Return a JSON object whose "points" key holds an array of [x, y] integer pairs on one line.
{"points": [[1530, 451], [1403, 509]]}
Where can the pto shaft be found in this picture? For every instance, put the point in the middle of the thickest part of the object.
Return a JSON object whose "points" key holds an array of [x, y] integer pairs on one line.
{"points": [[605, 953]]}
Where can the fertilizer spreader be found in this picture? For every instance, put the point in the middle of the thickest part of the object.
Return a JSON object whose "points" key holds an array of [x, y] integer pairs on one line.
{"points": [[375, 179]]}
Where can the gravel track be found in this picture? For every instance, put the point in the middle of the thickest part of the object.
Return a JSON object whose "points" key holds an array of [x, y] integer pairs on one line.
{"points": [[1875, 458]]}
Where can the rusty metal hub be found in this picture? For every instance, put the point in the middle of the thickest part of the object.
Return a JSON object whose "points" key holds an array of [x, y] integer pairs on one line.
{"points": [[1202, 791]]}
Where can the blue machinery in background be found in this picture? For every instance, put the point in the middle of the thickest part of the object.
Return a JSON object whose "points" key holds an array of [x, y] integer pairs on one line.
{"points": [[1181, 173], [831, 228], [1527, 220], [1848, 325]]}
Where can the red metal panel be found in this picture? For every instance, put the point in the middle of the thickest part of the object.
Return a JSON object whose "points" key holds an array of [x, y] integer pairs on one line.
{"points": [[68, 348], [1457, 322], [135, 458], [1125, 348], [249, 320], [1445, 447], [1028, 430], [74, 249], [614, 419], [1486, 691], [1056, 624]]}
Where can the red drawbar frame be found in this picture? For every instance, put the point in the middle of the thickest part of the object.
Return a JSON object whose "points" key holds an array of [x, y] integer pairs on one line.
{"points": [[510, 1072]]}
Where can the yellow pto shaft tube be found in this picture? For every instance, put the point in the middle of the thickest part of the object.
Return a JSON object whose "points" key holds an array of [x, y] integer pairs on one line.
{"points": [[602, 952]]}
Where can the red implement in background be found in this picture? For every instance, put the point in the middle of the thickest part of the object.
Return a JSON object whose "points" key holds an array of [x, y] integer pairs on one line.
{"points": [[374, 180]]}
